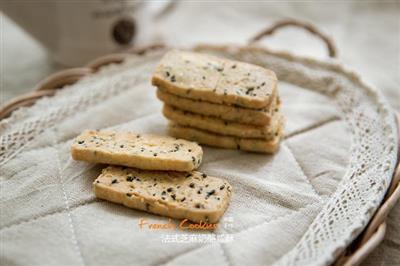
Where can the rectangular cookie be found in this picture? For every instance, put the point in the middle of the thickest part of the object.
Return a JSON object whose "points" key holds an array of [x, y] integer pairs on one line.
{"points": [[216, 80], [232, 113], [227, 142], [219, 126], [194, 196], [142, 151]]}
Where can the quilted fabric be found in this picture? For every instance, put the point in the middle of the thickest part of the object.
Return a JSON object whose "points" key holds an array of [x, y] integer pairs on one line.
{"points": [[301, 206]]}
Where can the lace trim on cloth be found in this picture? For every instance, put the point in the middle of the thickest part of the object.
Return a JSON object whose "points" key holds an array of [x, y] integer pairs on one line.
{"points": [[27, 122], [373, 150]]}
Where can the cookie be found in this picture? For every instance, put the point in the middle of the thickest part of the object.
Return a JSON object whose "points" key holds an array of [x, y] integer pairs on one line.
{"points": [[222, 127], [194, 196], [227, 142], [231, 113], [216, 80], [142, 151]]}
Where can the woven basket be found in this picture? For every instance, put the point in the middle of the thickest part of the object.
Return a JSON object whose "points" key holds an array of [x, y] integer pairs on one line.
{"points": [[374, 232]]}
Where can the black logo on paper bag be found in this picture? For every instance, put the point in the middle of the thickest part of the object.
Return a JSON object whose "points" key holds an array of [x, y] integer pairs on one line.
{"points": [[124, 30]]}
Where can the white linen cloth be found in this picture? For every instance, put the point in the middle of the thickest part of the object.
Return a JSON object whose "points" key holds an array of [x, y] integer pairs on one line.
{"points": [[298, 207], [49, 210]]}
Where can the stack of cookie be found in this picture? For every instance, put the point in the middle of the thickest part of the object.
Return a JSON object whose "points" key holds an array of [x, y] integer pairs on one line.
{"points": [[155, 174], [219, 102]]}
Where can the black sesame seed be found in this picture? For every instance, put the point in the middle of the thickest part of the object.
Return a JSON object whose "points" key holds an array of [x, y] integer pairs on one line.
{"points": [[262, 84], [176, 148], [137, 179], [191, 185], [121, 146], [163, 193], [129, 178], [188, 175], [189, 150], [167, 73], [154, 194], [114, 181], [198, 205], [234, 66], [81, 142], [163, 198], [155, 154], [173, 196], [193, 159], [222, 187], [249, 90], [212, 192], [199, 191], [173, 78], [128, 194], [204, 175], [169, 189], [183, 199]]}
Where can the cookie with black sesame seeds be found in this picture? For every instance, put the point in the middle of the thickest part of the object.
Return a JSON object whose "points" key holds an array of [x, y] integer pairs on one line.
{"points": [[260, 117], [166, 193], [222, 127], [227, 142], [144, 151], [179, 69], [254, 86], [216, 80]]}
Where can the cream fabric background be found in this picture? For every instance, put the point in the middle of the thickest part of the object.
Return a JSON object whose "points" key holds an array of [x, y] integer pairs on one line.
{"points": [[367, 37]]}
